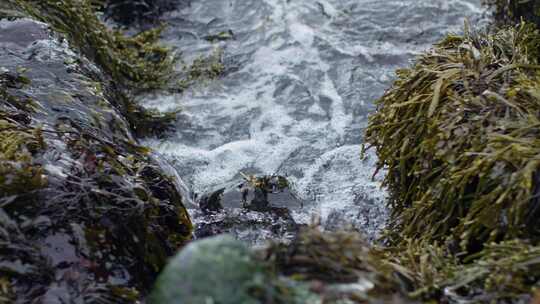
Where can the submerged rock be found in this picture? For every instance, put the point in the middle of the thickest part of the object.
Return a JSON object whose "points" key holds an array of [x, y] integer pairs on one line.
{"points": [[139, 12], [254, 210], [87, 215]]}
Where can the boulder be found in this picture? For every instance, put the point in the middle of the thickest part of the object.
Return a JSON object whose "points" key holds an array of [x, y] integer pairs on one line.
{"points": [[225, 271]]}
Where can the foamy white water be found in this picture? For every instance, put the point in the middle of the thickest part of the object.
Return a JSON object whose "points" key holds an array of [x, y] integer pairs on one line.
{"points": [[301, 80]]}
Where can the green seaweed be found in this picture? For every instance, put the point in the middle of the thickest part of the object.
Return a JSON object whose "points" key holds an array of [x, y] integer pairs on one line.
{"points": [[458, 134]]}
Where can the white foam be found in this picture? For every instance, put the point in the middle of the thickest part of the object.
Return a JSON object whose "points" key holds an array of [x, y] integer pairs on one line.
{"points": [[308, 74]]}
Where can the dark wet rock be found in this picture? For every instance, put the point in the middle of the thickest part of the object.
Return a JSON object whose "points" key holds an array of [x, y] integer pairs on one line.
{"points": [[256, 209], [211, 202], [87, 215], [251, 226], [513, 12], [139, 12]]}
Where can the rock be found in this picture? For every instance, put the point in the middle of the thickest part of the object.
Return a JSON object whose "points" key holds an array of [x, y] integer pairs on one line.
{"points": [[514, 12], [261, 194], [223, 270], [254, 210], [250, 226], [140, 12], [87, 214], [215, 270], [212, 202]]}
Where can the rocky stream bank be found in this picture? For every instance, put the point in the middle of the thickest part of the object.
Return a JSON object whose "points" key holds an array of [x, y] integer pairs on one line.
{"points": [[89, 215]]}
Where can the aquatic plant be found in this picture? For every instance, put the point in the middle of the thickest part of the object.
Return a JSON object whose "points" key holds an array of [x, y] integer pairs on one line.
{"points": [[458, 133], [136, 63]]}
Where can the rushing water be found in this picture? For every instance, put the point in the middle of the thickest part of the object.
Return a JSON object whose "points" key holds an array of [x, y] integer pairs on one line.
{"points": [[301, 79]]}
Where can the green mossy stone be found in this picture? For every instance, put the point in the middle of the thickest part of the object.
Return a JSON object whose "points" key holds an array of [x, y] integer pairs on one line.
{"points": [[218, 270]]}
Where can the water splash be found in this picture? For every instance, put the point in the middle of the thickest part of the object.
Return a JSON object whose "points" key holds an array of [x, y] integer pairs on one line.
{"points": [[302, 76]]}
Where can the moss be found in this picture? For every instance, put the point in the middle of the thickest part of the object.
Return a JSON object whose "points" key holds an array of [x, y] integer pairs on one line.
{"points": [[458, 133]]}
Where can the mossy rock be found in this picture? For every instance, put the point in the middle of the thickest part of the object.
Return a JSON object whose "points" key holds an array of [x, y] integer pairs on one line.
{"points": [[223, 270], [87, 215], [214, 270]]}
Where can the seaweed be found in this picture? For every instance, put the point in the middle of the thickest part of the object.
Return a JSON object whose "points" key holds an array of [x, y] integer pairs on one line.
{"points": [[18, 142], [458, 133], [137, 62], [338, 266]]}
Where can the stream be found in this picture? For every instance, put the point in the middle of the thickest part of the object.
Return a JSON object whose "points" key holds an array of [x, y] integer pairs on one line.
{"points": [[300, 80]]}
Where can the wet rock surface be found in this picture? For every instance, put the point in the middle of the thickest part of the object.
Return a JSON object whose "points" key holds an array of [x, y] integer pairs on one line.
{"points": [[140, 12], [87, 215], [254, 210]]}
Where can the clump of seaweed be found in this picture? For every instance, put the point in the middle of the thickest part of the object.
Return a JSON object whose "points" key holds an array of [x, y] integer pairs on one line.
{"points": [[458, 133], [342, 265], [338, 266], [501, 273], [18, 142]]}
